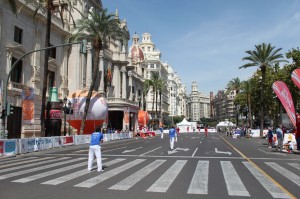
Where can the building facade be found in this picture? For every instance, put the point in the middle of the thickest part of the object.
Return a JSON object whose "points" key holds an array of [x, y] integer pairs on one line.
{"points": [[199, 104]]}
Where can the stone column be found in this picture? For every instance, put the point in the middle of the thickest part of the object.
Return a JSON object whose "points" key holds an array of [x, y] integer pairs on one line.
{"points": [[130, 85], [102, 73], [116, 82], [123, 70]]}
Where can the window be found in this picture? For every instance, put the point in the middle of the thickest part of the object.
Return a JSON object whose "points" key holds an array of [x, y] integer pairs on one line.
{"points": [[18, 35], [51, 79], [151, 65], [52, 52], [149, 49], [17, 71]]}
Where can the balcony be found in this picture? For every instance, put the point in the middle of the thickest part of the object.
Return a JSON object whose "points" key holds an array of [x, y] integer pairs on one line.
{"points": [[121, 102]]}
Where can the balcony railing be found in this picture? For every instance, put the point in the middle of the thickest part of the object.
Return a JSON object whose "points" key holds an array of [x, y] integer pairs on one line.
{"points": [[122, 101]]}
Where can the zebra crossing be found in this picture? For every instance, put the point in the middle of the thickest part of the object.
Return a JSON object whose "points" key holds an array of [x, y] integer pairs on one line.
{"points": [[69, 168]]}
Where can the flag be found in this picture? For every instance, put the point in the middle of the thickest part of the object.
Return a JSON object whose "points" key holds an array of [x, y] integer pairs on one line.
{"points": [[296, 77], [283, 93]]}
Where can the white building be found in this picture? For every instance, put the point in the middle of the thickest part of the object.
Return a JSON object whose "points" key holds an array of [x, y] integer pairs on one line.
{"points": [[199, 104]]}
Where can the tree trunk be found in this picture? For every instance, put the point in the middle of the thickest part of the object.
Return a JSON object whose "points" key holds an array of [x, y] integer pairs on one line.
{"points": [[249, 113], [262, 91], [95, 74], [46, 59], [160, 107], [155, 107]]}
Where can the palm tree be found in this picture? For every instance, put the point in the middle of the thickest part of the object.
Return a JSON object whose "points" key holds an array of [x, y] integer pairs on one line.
{"points": [[146, 88], [234, 85], [161, 87], [263, 56], [99, 28], [154, 78], [246, 89]]}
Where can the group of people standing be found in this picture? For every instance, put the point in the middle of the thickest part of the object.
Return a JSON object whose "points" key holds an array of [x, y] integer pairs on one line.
{"points": [[280, 136]]}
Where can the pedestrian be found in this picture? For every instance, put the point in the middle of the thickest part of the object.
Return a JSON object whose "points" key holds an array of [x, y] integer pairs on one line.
{"points": [[290, 147], [95, 149], [206, 131], [279, 134], [270, 137], [161, 132], [172, 133]]}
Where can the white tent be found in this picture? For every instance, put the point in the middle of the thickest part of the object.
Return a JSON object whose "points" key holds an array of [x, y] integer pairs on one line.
{"points": [[223, 125], [184, 126]]}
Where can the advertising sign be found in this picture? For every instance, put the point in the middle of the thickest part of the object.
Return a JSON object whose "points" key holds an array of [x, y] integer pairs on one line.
{"points": [[284, 95]]}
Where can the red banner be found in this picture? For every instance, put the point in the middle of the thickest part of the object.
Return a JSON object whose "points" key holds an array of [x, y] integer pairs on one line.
{"points": [[296, 77], [283, 93], [1, 147]]}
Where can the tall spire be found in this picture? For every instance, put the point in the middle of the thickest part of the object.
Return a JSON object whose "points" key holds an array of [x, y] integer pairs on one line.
{"points": [[117, 14]]}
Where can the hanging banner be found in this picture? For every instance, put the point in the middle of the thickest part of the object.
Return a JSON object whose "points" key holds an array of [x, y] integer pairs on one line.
{"points": [[126, 117], [283, 93], [28, 105]]}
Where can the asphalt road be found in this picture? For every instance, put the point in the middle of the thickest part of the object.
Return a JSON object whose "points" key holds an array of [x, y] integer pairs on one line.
{"points": [[216, 166]]}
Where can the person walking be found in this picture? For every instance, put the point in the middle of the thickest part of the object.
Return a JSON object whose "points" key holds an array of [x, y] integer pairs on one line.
{"points": [[172, 133], [95, 149], [279, 134], [206, 131], [270, 137], [161, 132]]}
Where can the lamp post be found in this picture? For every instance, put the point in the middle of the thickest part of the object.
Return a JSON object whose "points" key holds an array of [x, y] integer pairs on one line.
{"points": [[65, 114]]}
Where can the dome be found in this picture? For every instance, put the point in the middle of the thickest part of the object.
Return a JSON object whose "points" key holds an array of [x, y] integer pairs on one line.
{"points": [[137, 54]]}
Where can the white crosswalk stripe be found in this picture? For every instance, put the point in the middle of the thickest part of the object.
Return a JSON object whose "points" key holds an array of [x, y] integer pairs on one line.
{"points": [[199, 183], [137, 176], [235, 186], [164, 182], [5, 161], [25, 165], [78, 174], [272, 188], [100, 178], [295, 165], [38, 168], [288, 174], [48, 173], [24, 162]]}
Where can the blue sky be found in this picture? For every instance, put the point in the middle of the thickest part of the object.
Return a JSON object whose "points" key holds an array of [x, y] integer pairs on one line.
{"points": [[205, 40]]}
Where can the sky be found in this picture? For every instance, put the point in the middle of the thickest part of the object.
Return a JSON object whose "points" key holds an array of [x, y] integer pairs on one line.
{"points": [[205, 40]]}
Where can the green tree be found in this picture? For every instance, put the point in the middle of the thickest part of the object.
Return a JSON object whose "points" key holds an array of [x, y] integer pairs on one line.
{"points": [[154, 78], [246, 90], [161, 88], [234, 85], [99, 28], [146, 88], [263, 56]]}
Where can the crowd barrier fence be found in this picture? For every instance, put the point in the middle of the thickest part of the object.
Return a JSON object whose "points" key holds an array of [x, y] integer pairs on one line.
{"points": [[12, 147]]}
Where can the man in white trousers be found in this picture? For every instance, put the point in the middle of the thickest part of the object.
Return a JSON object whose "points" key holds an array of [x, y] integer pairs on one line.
{"points": [[95, 149], [161, 132], [172, 137]]}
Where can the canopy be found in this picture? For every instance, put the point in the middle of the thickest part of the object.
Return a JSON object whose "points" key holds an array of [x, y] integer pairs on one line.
{"points": [[184, 126], [184, 122], [224, 124]]}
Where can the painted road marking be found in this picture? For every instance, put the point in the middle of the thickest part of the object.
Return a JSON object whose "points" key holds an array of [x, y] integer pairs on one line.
{"points": [[199, 183]]}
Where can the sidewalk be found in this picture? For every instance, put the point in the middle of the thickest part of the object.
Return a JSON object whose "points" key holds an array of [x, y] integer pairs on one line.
{"points": [[255, 147]]}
